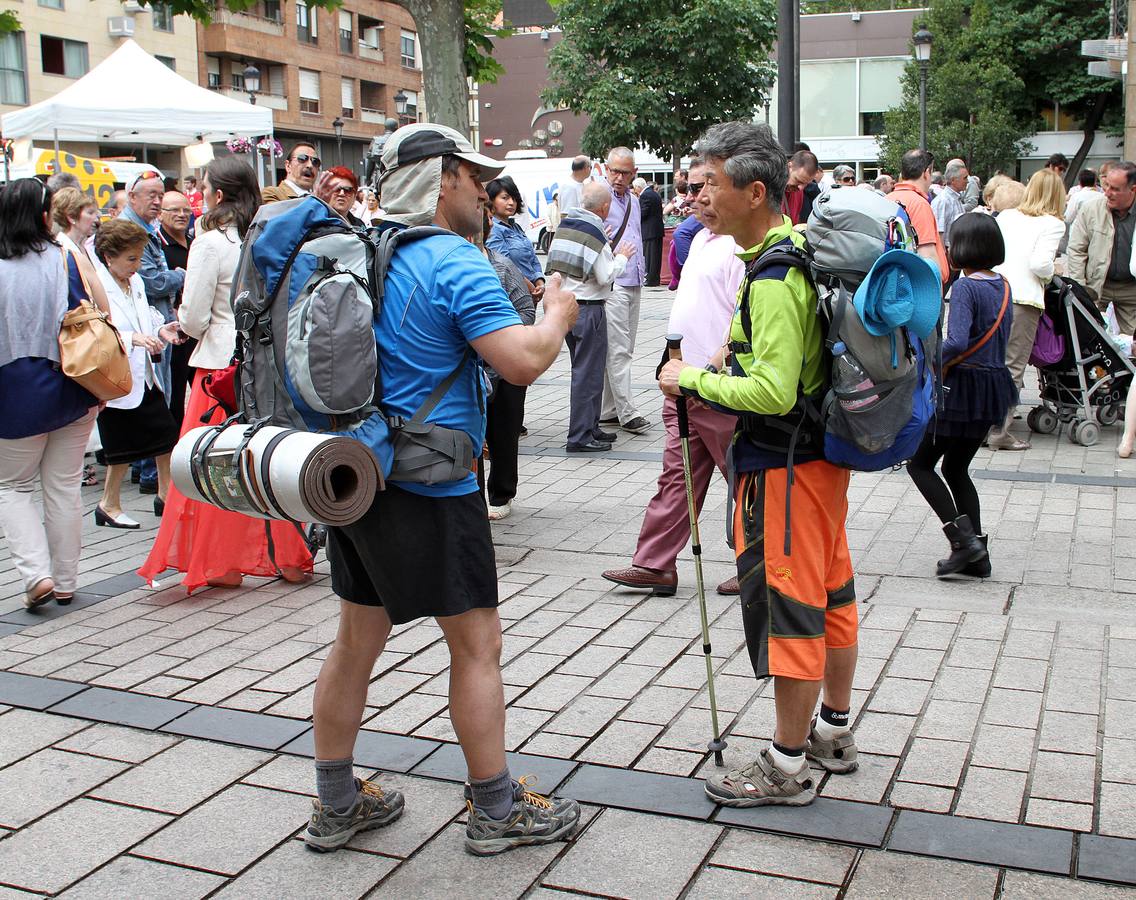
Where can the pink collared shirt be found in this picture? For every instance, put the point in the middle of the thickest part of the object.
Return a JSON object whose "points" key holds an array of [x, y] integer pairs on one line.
{"points": [[707, 296]]}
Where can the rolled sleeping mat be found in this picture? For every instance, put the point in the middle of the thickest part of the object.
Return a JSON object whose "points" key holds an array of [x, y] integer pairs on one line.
{"points": [[277, 473]]}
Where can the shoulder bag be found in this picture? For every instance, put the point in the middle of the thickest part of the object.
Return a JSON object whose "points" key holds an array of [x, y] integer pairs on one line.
{"points": [[91, 351]]}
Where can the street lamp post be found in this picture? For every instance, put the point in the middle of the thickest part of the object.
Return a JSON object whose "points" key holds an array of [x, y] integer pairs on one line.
{"points": [[337, 124], [400, 103], [922, 42], [251, 77]]}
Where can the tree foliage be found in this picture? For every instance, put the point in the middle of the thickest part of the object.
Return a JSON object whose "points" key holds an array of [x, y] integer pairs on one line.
{"points": [[660, 76], [994, 64]]}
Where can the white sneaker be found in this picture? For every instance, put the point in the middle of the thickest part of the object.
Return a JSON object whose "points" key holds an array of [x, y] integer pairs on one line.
{"points": [[496, 513]]}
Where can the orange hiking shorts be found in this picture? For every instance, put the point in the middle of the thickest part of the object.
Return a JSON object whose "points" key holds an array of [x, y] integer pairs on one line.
{"points": [[795, 605]]}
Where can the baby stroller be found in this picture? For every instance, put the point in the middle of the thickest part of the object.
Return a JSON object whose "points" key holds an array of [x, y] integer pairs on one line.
{"points": [[1088, 386]]}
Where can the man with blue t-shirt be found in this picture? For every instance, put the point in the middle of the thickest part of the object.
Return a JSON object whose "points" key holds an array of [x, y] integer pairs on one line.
{"points": [[425, 549]]}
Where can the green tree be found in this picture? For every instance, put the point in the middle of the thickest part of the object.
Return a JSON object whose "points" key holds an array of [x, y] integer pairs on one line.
{"points": [[456, 40], [661, 74], [995, 64]]}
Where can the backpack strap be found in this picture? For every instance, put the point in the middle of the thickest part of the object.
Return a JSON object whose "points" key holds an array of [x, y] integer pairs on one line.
{"points": [[783, 253]]}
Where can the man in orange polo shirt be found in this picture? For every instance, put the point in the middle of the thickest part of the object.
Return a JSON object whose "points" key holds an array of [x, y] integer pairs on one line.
{"points": [[911, 191]]}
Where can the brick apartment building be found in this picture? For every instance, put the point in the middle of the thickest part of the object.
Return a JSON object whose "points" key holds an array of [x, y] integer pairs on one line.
{"points": [[317, 65]]}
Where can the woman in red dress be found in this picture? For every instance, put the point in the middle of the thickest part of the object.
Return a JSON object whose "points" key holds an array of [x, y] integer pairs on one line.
{"points": [[213, 546]]}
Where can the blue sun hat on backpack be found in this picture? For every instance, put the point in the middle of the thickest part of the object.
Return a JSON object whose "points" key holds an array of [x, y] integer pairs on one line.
{"points": [[902, 289]]}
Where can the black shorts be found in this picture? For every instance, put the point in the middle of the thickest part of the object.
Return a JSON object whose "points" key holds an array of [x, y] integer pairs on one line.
{"points": [[416, 556]]}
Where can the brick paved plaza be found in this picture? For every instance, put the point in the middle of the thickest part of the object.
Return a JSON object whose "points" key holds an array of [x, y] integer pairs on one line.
{"points": [[152, 744]]}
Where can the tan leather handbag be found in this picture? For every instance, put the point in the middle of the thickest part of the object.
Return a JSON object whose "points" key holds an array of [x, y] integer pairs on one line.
{"points": [[91, 350]]}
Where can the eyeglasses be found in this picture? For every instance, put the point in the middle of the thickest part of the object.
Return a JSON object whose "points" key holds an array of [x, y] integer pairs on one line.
{"points": [[343, 189], [303, 158], [626, 173], [176, 212], [695, 189]]}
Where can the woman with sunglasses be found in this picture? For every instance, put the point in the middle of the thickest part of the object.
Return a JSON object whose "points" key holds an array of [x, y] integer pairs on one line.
{"points": [[340, 187], [210, 545], [45, 417]]}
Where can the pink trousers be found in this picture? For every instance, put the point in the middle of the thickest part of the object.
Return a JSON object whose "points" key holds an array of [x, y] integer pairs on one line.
{"points": [[666, 524]]}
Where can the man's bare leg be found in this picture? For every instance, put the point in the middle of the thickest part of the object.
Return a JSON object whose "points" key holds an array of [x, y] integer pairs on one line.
{"points": [[839, 670], [795, 700]]}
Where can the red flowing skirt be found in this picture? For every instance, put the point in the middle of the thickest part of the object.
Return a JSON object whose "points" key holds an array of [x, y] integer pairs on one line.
{"points": [[206, 542]]}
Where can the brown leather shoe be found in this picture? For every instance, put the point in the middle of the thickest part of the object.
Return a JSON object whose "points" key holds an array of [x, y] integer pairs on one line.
{"points": [[661, 584], [730, 587]]}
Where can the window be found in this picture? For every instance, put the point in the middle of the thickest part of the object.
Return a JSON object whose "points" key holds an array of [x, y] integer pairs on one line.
{"points": [[881, 88], [272, 10], [276, 81], [371, 96], [237, 80], [347, 93], [52, 4], [305, 23], [213, 72], [168, 61], [411, 115], [309, 91], [370, 33], [162, 17], [63, 57], [409, 57], [828, 98], [346, 33], [13, 69]]}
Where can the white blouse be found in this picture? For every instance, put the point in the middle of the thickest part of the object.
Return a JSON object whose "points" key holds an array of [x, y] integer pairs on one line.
{"points": [[205, 312], [131, 313]]}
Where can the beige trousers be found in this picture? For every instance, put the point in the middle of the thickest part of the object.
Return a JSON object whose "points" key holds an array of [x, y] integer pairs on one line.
{"points": [[1023, 331], [45, 542], [1122, 296]]}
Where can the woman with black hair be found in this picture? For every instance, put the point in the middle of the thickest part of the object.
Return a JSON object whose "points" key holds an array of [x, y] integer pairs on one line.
{"points": [[977, 389], [213, 546], [45, 417], [508, 238]]}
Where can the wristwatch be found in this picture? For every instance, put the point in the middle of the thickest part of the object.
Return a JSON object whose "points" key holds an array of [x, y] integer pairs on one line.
{"points": [[711, 368]]}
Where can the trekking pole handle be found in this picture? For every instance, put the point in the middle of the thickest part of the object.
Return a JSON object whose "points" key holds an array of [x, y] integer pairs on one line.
{"points": [[674, 351]]}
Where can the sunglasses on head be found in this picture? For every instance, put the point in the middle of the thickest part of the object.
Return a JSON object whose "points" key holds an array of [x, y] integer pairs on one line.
{"points": [[145, 176], [303, 158]]}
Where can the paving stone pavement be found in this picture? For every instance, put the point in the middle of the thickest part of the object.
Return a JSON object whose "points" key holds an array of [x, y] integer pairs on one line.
{"points": [[154, 742]]}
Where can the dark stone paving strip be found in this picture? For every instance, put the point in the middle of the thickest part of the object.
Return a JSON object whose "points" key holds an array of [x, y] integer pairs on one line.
{"points": [[859, 824], [6, 628], [390, 752], [980, 841], [622, 455], [1107, 859], [121, 708], [547, 773], [232, 726], [825, 819], [88, 596]]}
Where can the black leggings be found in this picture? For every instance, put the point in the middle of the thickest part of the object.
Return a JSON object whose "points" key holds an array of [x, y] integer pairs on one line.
{"points": [[954, 494]]}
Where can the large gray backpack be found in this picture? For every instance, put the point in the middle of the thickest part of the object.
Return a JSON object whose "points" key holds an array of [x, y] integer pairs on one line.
{"points": [[306, 295], [848, 230]]}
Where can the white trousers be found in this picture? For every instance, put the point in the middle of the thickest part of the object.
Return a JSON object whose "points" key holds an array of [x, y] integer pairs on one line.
{"points": [[47, 543], [622, 327]]}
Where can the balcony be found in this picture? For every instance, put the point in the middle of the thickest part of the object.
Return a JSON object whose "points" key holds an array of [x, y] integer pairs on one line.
{"points": [[272, 101], [366, 51], [250, 21], [374, 116]]}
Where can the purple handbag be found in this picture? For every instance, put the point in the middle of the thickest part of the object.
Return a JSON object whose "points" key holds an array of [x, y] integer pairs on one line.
{"points": [[1048, 345]]}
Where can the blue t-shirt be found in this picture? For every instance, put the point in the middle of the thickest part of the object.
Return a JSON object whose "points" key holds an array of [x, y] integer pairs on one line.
{"points": [[441, 294]]}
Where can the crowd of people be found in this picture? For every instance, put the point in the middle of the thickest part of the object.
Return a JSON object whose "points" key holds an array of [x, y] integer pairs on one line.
{"points": [[162, 268]]}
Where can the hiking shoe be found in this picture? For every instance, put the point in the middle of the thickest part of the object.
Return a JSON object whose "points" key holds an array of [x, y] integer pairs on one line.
{"points": [[838, 755], [374, 808], [534, 819], [761, 783], [638, 425]]}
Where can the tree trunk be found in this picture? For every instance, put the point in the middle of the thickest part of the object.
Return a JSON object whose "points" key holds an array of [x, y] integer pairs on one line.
{"points": [[1092, 123], [441, 30], [676, 160]]}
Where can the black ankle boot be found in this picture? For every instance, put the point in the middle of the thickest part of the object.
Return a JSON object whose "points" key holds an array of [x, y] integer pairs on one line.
{"points": [[965, 547], [980, 568]]}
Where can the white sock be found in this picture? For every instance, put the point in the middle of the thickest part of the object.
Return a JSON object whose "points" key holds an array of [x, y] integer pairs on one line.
{"points": [[827, 732], [790, 765]]}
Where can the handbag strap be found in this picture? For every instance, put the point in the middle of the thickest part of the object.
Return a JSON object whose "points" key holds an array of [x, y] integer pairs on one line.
{"points": [[989, 334]]}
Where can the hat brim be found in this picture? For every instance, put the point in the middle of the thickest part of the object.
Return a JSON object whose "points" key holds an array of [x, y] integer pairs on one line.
{"points": [[926, 287], [489, 168]]}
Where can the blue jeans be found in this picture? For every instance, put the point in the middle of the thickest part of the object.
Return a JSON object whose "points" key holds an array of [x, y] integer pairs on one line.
{"points": [[148, 469]]}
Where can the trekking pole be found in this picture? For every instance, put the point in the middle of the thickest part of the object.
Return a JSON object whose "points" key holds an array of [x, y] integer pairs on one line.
{"points": [[717, 745]]}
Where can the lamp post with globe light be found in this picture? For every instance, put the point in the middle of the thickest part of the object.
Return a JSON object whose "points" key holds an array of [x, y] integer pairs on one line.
{"points": [[337, 124], [922, 41]]}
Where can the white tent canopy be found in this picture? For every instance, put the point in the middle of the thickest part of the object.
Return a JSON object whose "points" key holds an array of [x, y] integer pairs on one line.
{"points": [[132, 98]]}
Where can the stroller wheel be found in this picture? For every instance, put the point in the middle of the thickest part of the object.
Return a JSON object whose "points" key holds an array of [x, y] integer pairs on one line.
{"points": [[1085, 433], [1108, 414], [1042, 420]]}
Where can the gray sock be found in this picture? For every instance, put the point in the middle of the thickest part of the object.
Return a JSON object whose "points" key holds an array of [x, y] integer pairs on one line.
{"points": [[493, 796], [335, 783]]}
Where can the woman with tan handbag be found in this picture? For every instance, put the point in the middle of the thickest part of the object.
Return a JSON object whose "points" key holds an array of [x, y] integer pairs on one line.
{"points": [[138, 425], [45, 417], [977, 391]]}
